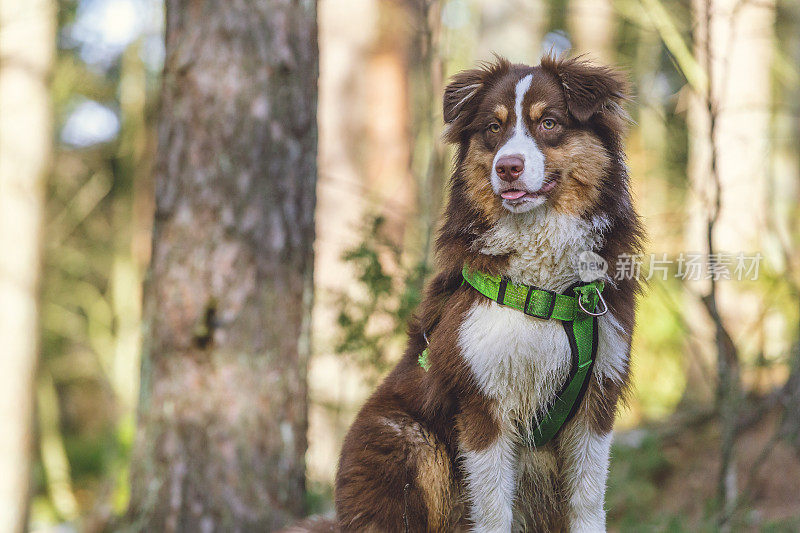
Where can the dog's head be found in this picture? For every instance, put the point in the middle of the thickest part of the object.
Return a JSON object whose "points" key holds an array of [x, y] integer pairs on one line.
{"points": [[536, 137]]}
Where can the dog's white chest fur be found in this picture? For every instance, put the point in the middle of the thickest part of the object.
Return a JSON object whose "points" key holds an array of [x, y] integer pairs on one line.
{"points": [[518, 360]]}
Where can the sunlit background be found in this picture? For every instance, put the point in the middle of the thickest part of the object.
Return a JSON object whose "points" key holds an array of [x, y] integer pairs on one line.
{"points": [[382, 170]]}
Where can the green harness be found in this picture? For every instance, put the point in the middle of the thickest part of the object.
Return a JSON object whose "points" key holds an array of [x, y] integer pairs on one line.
{"points": [[577, 315]]}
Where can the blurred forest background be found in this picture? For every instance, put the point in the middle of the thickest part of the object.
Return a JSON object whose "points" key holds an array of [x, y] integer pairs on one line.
{"points": [[711, 435]]}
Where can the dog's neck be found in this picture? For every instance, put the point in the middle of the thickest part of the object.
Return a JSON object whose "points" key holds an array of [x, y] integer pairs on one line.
{"points": [[542, 245]]}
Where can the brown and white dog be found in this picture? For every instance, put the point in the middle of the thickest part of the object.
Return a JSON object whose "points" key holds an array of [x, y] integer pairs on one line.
{"points": [[539, 178]]}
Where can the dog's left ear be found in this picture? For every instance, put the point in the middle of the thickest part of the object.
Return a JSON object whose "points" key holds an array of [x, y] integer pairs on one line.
{"points": [[589, 89]]}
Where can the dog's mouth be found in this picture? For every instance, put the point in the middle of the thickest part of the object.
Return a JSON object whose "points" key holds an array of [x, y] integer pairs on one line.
{"points": [[515, 195]]}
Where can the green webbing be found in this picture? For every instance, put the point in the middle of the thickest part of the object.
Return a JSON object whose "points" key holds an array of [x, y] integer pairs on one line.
{"points": [[423, 360], [539, 301], [582, 335], [580, 327]]}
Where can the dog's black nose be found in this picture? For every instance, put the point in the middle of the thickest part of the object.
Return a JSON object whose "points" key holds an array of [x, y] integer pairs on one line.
{"points": [[509, 167]]}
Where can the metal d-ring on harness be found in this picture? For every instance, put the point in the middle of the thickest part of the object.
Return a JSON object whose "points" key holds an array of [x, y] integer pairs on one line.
{"points": [[578, 314], [599, 300]]}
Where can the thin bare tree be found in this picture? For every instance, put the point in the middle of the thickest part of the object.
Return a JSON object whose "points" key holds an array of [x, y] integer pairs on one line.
{"points": [[729, 127]]}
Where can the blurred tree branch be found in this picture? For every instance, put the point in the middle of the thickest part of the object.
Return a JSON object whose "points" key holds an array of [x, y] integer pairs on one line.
{"points": [[688, 64]]}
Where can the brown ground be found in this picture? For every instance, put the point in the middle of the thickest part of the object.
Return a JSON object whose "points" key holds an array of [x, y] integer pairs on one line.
{"points": [[686, 484]]}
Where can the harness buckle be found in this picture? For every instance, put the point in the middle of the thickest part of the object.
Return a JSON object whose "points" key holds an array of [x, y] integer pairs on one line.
{"points": [[600, 300], [549, 314]]}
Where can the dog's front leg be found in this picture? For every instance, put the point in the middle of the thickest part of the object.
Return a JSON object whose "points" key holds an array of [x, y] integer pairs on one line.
{"points": [[585, 455], [488, 459]]}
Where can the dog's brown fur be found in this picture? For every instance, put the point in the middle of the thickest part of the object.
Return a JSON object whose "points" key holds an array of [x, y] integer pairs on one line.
{"points": [[399, 468]]}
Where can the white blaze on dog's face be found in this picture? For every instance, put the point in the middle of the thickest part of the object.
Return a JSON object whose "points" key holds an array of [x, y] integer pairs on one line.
{"points": [[520, 190], [534, 137]]}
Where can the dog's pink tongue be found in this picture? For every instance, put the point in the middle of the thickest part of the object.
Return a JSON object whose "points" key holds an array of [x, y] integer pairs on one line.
{"points": [[512, 194]]}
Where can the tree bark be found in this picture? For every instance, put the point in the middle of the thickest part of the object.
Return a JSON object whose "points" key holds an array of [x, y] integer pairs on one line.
{"points": [[592, 24], [786, 205], [223, 402], [729, 128], [27, 46]]}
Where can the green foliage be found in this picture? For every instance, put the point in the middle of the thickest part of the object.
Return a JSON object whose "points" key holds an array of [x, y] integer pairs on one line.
{"points": [[659, 360], [89, 458], [372, 317], [633, 482], [789, 525], [318, 498], [635, 494]]}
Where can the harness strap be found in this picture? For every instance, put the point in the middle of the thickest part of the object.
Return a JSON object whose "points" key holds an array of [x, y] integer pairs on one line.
{"points": [[533, 301], [582, 336], [577, 315]]}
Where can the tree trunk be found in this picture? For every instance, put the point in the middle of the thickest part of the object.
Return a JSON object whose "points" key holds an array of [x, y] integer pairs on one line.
{"points": [[223, 403], [429, 159], [592, 24], [786, 204], [27, 46], [729, 128]]}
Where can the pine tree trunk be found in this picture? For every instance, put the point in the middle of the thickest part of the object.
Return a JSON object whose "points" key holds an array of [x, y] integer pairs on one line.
{"points": [[223, 406], [27, 48]]}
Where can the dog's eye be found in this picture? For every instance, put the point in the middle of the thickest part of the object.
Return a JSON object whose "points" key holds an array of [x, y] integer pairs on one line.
{"points": [[548, 123], [494, 127]]}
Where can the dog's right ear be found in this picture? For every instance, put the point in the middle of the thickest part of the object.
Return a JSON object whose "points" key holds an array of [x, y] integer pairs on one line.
{"points": [[460, 93], [461, 97]]}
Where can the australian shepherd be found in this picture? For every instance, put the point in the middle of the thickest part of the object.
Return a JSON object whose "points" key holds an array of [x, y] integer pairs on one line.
{"points": [[539, 178]]}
